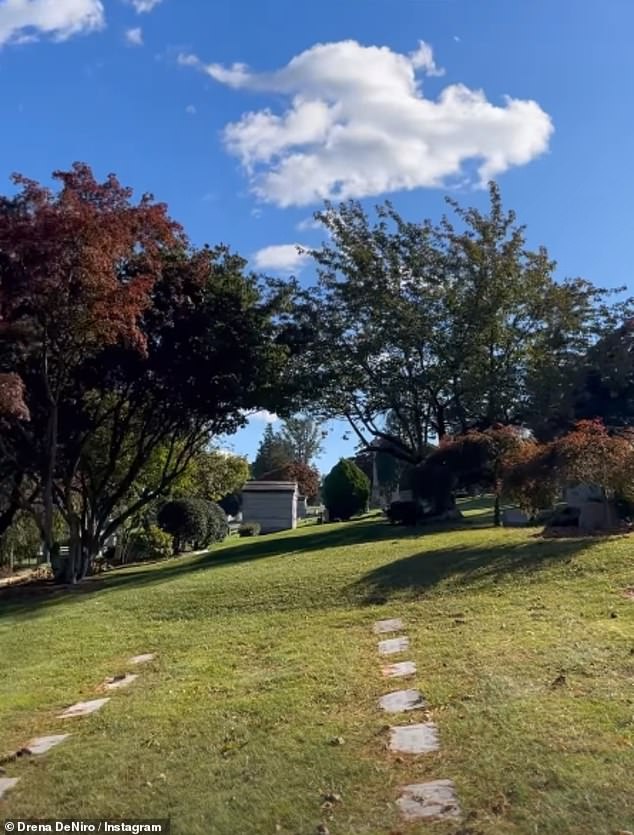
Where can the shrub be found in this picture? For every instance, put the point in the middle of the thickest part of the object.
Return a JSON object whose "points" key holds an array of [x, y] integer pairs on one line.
{"points": [[249, 529], [346, 490], [186, 520], [404, 513], [151, 543], [217, 524], [231, 504]]}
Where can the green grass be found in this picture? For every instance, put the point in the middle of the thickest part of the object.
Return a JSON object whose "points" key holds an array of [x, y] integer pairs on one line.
{"points": [[266, 653]]}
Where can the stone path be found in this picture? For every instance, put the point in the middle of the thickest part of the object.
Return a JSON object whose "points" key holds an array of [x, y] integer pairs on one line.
{"points": [[42, 744], [393, 645], [436, 799]]}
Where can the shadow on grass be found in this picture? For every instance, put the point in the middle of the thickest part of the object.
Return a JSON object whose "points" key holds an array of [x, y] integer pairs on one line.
{"points": [[412, 576], [22, 600]]}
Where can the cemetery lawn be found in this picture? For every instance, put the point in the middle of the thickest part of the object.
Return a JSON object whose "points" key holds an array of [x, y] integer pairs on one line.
{"points": [[265, 656]]}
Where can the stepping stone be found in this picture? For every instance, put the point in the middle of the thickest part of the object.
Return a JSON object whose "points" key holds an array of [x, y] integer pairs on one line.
{"points": [[402, 700], [383, 626], [42, 744], [415, 739], [7, 783], [116, 682], [393, 645], [399, 670], [83, 708], [143, 659], [425, 801]]}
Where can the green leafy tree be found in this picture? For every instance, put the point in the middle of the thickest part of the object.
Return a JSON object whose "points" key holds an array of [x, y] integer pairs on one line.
{"points": [[346, 490], [212, 474], [440, 328], [273, 453], [304, 436]]}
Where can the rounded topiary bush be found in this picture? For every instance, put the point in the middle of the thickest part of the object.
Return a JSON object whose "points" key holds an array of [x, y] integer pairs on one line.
{"points": [[346, 490], [151, 543], [217, 524], [186, 520]]}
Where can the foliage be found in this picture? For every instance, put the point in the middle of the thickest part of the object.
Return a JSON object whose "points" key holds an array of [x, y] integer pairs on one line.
{"points": [[249, 529], [307, 477], [193, 522], [231, 504], [151, 543], [212, 474], [304, 437], [274, 452], [217, 524], [441, 328], [404, 513], [162, 347], [346, 490]]}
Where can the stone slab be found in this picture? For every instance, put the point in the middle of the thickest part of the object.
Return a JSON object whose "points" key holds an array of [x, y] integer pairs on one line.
{"points": [[400, 701], [401, 669], [392, 625], [393, 645], [415, 739], [435, 800], [117, 682], [143, 659], [42, 744], [7, 783], [83, 708]]}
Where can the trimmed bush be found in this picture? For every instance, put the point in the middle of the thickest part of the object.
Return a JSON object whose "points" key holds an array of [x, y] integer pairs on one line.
{"points": [[217, 524], [151, 544], [249, 529], [346, 490], [404, 513]]}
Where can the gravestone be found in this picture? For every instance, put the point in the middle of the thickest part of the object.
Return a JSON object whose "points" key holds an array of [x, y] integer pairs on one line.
{"points": [[117, 682], [143, 659], [402, 700], [514, 518], [392, 625], [7, 783], [435, 800], [42, 744], [393, 645], [401, 669], [414, 739], [83, 708]]}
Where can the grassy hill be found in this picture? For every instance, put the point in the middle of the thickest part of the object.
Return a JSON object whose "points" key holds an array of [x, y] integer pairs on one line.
{"points": [[524, 647]]}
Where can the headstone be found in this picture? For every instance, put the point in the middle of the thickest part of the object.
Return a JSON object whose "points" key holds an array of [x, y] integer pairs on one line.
{"points": [[143, 659], [83, 708], [393, 645], [117, 682], [435, 800], [578, 494], [514, 518], [7, 783], [401, 700], [383, 626], [42, 744], [415, 739], [401, 669]]}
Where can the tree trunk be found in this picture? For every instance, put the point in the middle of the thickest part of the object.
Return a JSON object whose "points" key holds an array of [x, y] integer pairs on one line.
{"points": [[496, 509], [49, 476]]}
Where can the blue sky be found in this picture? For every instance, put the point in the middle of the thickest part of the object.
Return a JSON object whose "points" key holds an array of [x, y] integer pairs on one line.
{"points": [[344, 99]]}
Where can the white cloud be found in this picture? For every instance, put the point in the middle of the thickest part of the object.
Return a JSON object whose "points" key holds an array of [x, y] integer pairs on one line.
{"points": [[22, 21], [310, 223], [134, 36], [191, 110], [358, 123], [143, 6], [284, 258], [262, 415]]}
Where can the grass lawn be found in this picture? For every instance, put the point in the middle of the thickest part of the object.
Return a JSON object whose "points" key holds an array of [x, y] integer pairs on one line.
{"points": [[266, 653]]}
